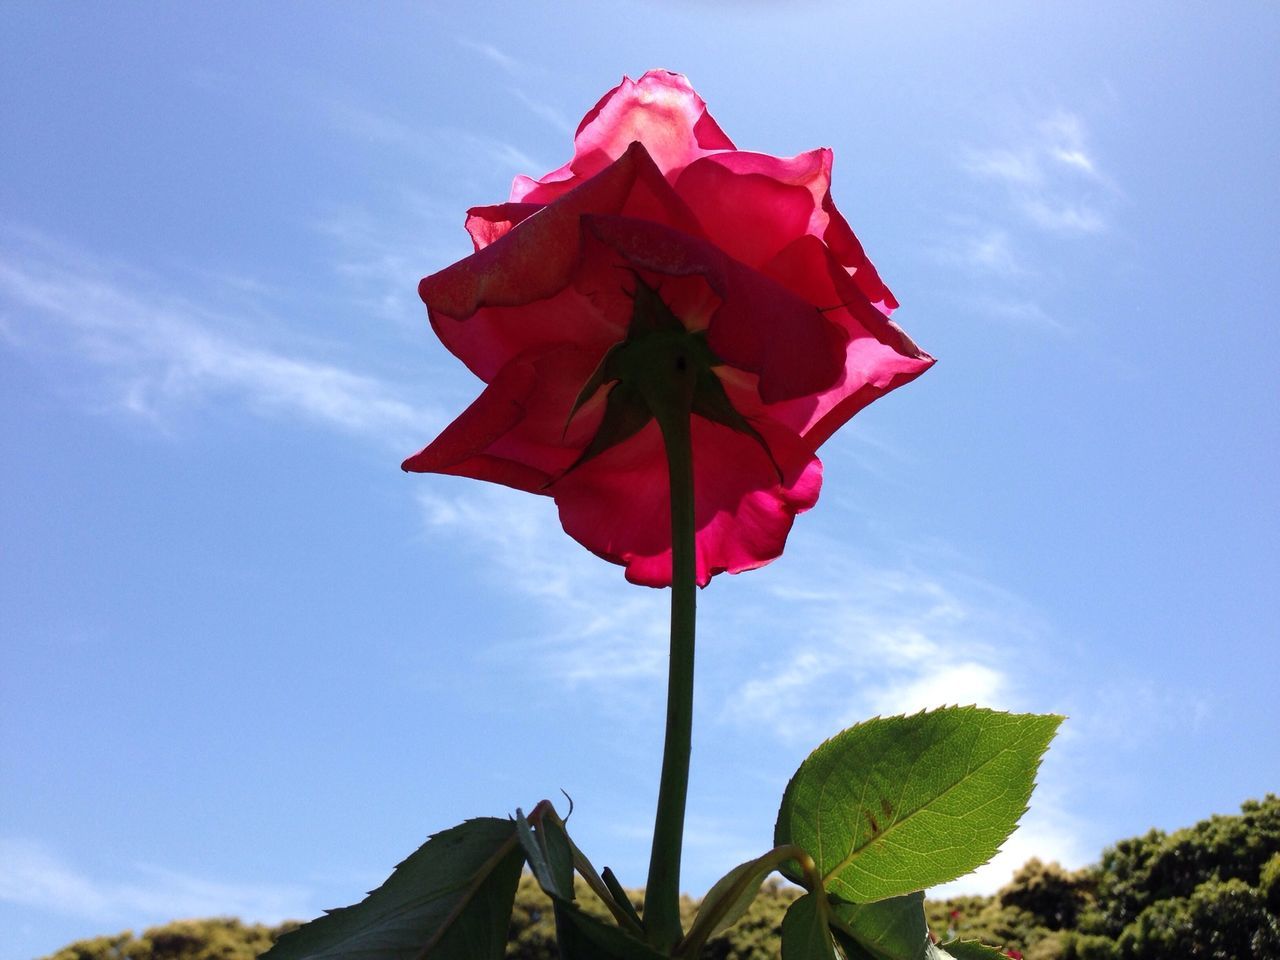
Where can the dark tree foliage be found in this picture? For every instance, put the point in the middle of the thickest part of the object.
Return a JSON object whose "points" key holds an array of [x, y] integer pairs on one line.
{"points": [[1136, 873], [1053, 896], [1221, 920], [221, 938], [1208, 892]]}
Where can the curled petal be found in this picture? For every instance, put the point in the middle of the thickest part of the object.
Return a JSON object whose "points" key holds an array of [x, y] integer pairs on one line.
{"points": [[759, 325], [660, 110], [487, 224], [618, 505], [879, 356], [848, 251], [515, 294], [752, 205], [517, 432]]}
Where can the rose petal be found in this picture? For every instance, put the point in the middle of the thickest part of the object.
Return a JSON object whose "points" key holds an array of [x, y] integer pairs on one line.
{"points": [[759, 326], [848, 250], [517, 432], [617, 505], [515, 294], [879, 357], [751, 204], [750, 216], [660, 110], [487, 224]]}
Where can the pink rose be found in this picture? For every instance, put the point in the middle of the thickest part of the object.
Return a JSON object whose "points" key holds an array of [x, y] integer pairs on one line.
{"points": [[746, 250]]}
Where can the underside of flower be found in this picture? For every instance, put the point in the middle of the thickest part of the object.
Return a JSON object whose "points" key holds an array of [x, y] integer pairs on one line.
{"points": [[662, 369], [664, 272]]}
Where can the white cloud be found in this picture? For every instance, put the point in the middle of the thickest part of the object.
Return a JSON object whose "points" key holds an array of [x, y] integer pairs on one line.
{"points": [[865, 638], [599, 628], [1051, 177], [160, 352], [445, 146], [497, 57], [982, 247], [1018, 312], [545, 111], [1045, 832], [141, 894]]}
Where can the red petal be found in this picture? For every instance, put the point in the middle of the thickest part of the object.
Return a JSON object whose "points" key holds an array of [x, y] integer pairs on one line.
{"points": [[750, 218], [849, 252], [878, 358], [516, 293], [752, 205], [660, 110], [487, 224], [618, 506], [760, 325], [515, 431]]}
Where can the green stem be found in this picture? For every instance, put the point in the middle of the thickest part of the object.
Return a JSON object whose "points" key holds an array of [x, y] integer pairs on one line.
{"points": [[662, 895]]}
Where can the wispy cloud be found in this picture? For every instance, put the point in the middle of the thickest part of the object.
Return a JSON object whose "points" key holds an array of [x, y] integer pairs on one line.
{"points": [[983, 247], [158, 353], [1018, 311], [544, 110], [1044, 186], [865, 638], [1051, 176], [1047, 831], [33, 876], [596, 628], [446, 146], [499, 58]]}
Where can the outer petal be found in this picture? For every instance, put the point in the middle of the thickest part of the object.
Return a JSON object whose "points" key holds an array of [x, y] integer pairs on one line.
{"points": [[660, 110], [517, 431], [487, 224], [753, 205], [516, 293], [879, 356], [618, 505], [759, 326]]}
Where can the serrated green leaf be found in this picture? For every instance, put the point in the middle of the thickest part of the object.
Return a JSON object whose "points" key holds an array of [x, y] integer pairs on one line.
{"points": [[894, 929], [805, 935], [894, 805], [583, 937], [449, 900], [969, 950]]}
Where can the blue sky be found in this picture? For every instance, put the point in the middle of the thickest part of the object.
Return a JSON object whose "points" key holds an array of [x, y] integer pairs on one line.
{"points": [[247, 664]]}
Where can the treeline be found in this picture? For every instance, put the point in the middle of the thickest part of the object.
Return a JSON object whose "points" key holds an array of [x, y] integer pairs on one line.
{"points": [[1208, 892]]}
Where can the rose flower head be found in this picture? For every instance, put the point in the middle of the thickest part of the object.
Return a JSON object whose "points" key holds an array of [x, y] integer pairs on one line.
{"points": [[660, 235]]}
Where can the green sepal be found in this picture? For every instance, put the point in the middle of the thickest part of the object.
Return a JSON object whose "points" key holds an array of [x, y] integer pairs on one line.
{"points": [[548, 851], [659, 361], [449, 900], [620, 896]]}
